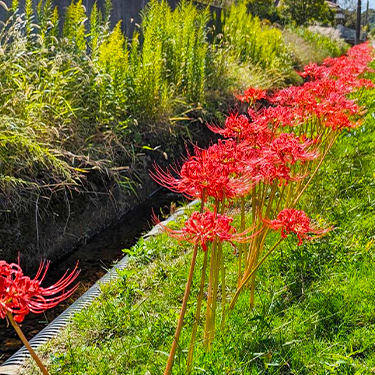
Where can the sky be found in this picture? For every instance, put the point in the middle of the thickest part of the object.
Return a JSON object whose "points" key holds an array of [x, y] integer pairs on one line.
{"points": [[372, 4], [364, 3]]}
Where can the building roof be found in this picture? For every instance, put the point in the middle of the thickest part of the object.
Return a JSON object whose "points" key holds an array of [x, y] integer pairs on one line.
{"points": [[333, 5]]}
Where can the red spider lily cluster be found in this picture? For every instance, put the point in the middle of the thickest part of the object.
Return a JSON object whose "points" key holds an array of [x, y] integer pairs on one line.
{"points": [[266, 159], [202, 228], [290, 220], [19, 294], [252, 94]]}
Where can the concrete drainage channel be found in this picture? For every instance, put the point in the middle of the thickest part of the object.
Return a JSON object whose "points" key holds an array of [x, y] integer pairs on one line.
{"points": [[12, 365]]}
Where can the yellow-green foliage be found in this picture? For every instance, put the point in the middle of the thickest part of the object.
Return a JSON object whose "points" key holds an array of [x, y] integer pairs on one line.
{"points": [[113, 88], [95, 23], [248, 39], [15, 4], [189, 49], [29, 14], [54, 22], [165, 63], [74, 24], [44, 12], [174, 52], [113, 53], [148, 83]]}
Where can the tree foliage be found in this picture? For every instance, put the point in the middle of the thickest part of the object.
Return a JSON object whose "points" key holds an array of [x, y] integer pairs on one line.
{"points": [[263, 9], [303, 12]]}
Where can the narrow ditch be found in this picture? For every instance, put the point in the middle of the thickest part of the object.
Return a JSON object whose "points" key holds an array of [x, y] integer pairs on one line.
{"points": [[95, 258]]}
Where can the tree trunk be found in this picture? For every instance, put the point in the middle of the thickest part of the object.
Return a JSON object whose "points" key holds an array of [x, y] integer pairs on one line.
{"points": [[358, 25]]}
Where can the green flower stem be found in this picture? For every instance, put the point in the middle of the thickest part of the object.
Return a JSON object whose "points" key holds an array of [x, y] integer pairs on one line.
{"points": [[177, 334], [218, 266], [176, 337], [197, 314], [211, 285], [223, 291], [247, 278], [242, 245], [259, 251]]}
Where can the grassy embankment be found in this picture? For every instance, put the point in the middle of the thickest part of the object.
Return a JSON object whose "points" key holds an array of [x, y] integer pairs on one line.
{"points": [[314, 311], [81, 109]]}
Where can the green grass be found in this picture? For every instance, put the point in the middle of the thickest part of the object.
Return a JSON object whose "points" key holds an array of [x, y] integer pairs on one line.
{"points": [[247, 39], [326, 45], [314, 312], [302, 50]]}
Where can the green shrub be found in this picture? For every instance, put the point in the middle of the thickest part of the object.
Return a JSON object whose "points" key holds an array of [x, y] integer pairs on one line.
{"points": [[174, 50]]}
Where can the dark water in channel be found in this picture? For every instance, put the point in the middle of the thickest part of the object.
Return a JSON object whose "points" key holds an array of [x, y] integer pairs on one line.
{"points": [[95, 258]]}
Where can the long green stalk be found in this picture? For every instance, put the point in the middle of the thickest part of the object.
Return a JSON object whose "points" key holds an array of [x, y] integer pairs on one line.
{"points": [[242, 245], [247, 278], [177, 334], [197, 314]]}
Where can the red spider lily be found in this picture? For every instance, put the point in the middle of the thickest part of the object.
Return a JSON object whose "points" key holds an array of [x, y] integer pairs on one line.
{"points": [[238, 157], [203, 174], [202, 228], [353, 83], [268, 171], [231, 154], [324, 100], [240, 127], [314, 72], [279, 116], [347, 66], [287, 96], [273, 161], [339, 120], [290, 220], [309, 94], [287, 148], [236, 126], [19, 294], [251, 95]]}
